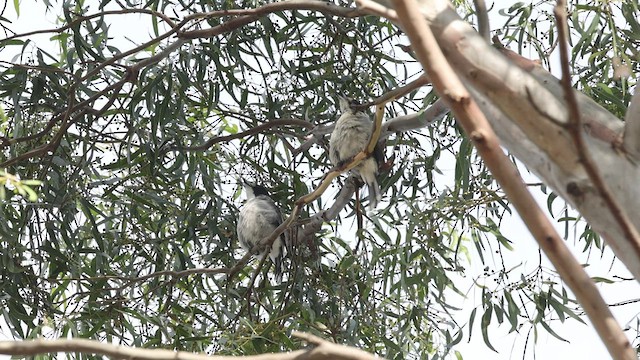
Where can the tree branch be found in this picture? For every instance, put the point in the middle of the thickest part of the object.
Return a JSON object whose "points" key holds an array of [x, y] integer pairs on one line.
{"points": [[397, 93], [418, 120], [545, 146], [447, 83], [574, 126], [631, 142], [401, 123], [80, 19], [131, 280], [322, 350], [83, 109], [483, 19], [246, 16], [252, 131]]}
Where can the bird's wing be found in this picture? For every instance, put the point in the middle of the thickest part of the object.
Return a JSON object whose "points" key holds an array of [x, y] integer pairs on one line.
{"points": [[273, 215], [272, 212]]}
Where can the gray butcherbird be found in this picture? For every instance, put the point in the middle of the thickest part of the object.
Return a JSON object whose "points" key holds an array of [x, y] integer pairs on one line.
{"points": [[259, 217], [350, 136]]}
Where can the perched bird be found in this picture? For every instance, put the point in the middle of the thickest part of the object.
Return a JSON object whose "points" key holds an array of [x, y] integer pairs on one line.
{"points": [[350, 136], [259, 217]]}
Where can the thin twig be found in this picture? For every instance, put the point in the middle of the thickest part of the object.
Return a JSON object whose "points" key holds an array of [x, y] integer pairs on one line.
{"points": [[401, 91], [52, 145], [256, 271], [130, 280], [80, 19], [242, 134], [171, 273]]}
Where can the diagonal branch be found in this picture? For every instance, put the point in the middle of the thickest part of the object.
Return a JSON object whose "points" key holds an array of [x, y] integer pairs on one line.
{"points": [[83, 109], [574, 127], [467, 113]]}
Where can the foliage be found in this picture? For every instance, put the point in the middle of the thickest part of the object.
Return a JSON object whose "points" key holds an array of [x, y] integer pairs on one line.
{"points": [[131, 187]]}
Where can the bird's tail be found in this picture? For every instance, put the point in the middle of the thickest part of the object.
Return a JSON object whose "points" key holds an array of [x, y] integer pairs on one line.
{"points": [[277, 255], [374, 193], [368, 170]]}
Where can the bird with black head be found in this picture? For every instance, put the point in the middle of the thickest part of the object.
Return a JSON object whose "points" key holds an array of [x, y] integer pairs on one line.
{"points": [[259, 217]]}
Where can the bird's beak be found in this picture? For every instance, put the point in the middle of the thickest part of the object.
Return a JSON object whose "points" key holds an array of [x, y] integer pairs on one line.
{"points": [[247, 186]]}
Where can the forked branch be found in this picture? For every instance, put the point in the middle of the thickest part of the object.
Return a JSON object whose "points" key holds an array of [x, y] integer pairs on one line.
{"points": [[574, 127], [467, 113]]}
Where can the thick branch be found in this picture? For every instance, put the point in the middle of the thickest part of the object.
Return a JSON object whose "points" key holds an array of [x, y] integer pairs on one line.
{"points": [[322, 349], [532, 100], [418, 120], [447, 83], [574, 127]]}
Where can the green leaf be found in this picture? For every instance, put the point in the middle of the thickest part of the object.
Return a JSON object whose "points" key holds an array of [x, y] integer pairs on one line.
{"points": [[484, 327], [550, 331], [472, 317], [598, 279]]}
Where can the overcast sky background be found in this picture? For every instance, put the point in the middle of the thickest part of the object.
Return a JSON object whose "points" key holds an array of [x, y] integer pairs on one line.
{"points": [[584, 343]]}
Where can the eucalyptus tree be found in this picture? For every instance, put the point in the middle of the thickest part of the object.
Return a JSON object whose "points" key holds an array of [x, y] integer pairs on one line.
{"points": [[122, 151]]}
